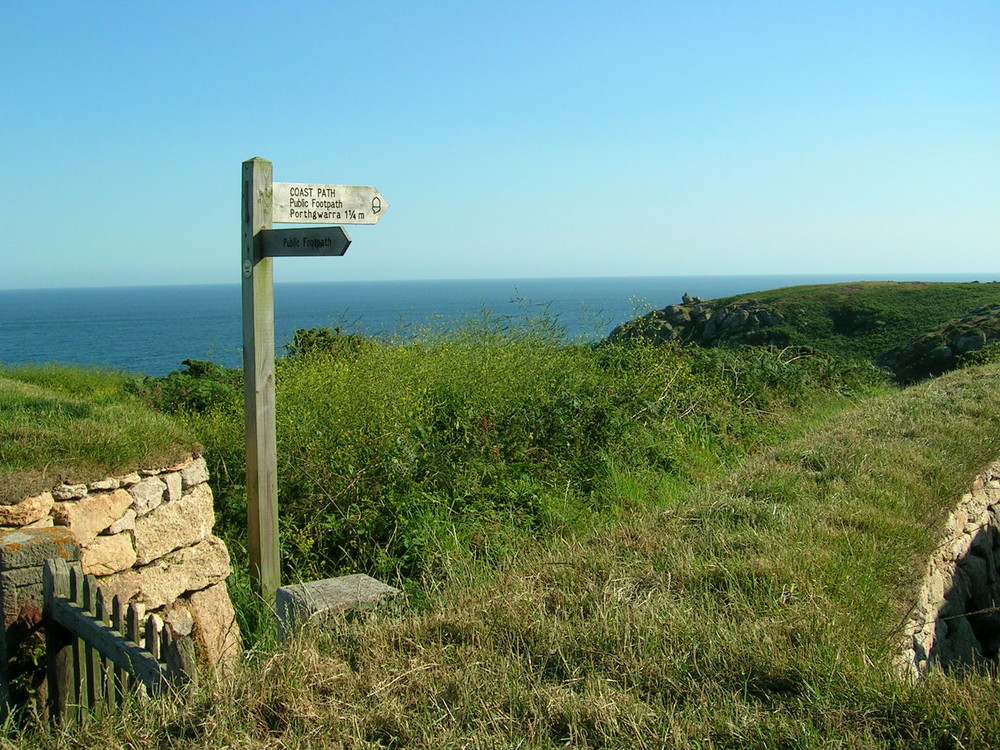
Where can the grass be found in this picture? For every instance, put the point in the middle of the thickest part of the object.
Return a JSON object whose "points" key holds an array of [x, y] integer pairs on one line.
{"points": [[756, 607], [77, 425]]}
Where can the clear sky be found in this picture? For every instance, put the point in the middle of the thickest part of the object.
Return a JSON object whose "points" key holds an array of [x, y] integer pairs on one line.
{"points": [[512, 139]]}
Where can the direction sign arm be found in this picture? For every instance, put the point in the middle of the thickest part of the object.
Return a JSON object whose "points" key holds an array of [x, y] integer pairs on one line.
{"points": [[289, 243], [312, 203]]}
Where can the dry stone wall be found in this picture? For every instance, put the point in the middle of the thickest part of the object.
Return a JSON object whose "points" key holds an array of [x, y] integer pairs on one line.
{"points": [[955, 622], [146, 536]]}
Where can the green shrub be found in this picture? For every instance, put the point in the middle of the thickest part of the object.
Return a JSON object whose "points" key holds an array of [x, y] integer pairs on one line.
{"points": [[199, 387], [311, 341], [989, 354]]}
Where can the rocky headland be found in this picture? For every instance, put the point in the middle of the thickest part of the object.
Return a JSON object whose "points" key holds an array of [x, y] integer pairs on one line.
{"points": [[912, 330]]}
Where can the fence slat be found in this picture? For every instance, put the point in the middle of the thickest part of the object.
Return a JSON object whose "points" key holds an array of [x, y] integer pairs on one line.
{"points": [[182, 661], [75, 592], [93, 655], [107, 681], [133, 636], [79, 694], [118, 624], [123, 652], [153, 635]]}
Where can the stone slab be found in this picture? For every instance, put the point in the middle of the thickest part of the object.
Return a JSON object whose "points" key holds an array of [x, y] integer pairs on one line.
{"points": [[32, 547], [162, 582], [174, 485], [69, 491], [178, 618], [194, 473], [174, 525], [148, 494], [27, 511], [104, 484], [20, 577], [91, 515], [29, 598], [129, 479], [216, 633], [302, 602], [108, 554], [9, 609], [125, 523]]}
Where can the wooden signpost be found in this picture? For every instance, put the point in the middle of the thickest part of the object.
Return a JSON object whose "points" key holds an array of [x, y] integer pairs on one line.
{"points": [[266, 202]]}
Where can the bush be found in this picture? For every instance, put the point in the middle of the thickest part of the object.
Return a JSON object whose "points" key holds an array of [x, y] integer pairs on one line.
{"points": [[198, 388], [311, 341], [988, 355]]}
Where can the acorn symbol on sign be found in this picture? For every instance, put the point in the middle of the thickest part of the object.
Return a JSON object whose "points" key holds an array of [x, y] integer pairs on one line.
{"points": [[376, 204]]}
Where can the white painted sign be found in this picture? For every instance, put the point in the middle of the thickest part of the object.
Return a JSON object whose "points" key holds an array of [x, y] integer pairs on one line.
{"points": [[307, 203]]}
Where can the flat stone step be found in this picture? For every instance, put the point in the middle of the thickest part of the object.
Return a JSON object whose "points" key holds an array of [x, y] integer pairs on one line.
{"points": [[316, 600]]}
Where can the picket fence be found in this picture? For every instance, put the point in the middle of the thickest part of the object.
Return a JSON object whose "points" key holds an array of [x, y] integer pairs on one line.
{"points": [[98, 654]]}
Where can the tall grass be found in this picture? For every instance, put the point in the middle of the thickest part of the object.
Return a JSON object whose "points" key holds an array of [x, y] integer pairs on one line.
{"points": [[392, 454]]}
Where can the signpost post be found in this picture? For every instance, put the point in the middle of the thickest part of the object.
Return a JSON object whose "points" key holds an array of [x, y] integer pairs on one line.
{"points": [[258, 382], [266, 202]]}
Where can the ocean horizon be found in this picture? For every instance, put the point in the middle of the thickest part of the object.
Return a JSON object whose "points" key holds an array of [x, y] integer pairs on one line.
{"points": [[152, 329]]}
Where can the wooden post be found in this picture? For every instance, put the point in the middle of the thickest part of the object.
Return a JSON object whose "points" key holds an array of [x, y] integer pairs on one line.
{"points": [[258, 387], [132, 633]]}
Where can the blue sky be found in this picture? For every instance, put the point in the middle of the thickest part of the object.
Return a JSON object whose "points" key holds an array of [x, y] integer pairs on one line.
{"points": [[512, 139]]}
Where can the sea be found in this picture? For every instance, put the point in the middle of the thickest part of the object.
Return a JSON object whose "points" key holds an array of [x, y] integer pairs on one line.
{"points": [[153, 329]]}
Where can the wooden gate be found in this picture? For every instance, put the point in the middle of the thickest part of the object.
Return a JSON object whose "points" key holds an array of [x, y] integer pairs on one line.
{"points": [[97, 656]]}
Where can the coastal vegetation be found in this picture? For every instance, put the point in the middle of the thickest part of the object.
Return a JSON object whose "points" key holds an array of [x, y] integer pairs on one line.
{"points": [[913, 330], [865, 319], [629, 545], [481, 437]]}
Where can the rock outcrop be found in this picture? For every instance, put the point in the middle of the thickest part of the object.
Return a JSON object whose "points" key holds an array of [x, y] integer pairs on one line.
{"points": [[939, 350], [749, 322], [708, 324]]}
